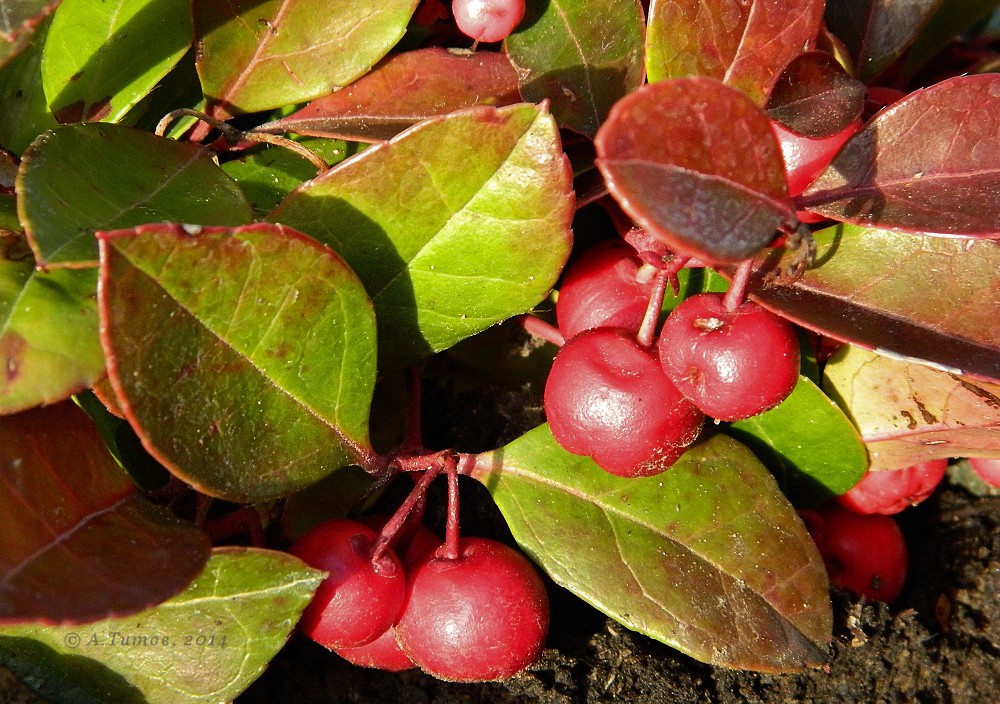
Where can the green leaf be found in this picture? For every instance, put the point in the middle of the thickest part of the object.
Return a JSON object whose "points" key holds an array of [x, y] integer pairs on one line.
{"points": [[49, 347], [18, 23], [25, 113], [77, 541], [808, 444], [259, 55], [454, 225], [207, 644], [101, 58], [910, 413], [68, 188], [708, 557], [581, 55], [244, 358]]}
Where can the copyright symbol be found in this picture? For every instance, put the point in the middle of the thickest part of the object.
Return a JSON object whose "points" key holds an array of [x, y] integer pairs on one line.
{"points": [[72, 640]]}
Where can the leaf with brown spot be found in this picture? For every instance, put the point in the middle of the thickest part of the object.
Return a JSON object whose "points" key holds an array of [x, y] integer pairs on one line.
{"points": [[909, 413]]}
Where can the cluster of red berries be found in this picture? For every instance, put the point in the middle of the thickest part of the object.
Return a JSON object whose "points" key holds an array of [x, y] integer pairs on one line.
{"points": [[635, 408], [477, 616]]}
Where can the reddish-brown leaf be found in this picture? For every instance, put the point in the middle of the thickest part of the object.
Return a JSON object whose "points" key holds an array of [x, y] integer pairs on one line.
{"points": [[930, 163], [697, 164], [815, 96], [77, 541], [404, 89]]}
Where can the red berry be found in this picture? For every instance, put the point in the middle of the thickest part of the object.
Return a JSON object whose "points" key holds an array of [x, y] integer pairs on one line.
{"points": [[360, 599], [864, 554], [731, 364], [383, 653], [892, 491], [607, 398], [481, 617], [805, 158], [987, 469], [600, 289], [487, 20]]}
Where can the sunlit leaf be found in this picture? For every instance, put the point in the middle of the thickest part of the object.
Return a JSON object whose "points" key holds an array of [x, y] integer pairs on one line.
{"points": [[581, 55], [25, 113], [18, 22], [77, 541], [101, 58], [815, 96], [263, 54], [454, 225], [697, 164], [404, 89], [932, 298], [808, 444], [68, 188], [926, 164], [876, 32], [49, 347], [910, 413], [206, 645], [245, 358], [708, 557], [745, 44]]}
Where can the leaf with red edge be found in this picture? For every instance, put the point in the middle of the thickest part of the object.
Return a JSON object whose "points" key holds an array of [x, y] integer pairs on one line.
{"points": [[697, 164], [929, 298], [745, 44], [877, 32], [581, 56], [927, 164], [263, 54], [910, 413], [401, 91], [77, 540], [815, 96], [18, 22], [244, 357]]}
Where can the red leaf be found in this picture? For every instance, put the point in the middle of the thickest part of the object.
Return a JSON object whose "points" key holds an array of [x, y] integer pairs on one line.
{"points": [[697, 164], [927, 164], [77, 541], [815, 96]]}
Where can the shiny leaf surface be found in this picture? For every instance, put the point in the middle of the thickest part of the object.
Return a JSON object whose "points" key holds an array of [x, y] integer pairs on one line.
{"points": [[697, 164], [815, 96], [77, 541], [245, 358], [708, 557]]}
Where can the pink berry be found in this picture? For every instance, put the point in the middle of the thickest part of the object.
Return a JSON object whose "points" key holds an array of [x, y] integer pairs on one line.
{"points": [[891, 491], [360, 599], [481, 617], [805, 158], [602, 289], [732, 364], [987, 469], [487, 20], [607, 398], [865, 554]]}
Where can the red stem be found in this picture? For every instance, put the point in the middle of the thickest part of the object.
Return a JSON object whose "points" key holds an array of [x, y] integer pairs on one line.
{"points": [[395, 524], [542, 330], [452, 532], [737, 292], [647, 330]]}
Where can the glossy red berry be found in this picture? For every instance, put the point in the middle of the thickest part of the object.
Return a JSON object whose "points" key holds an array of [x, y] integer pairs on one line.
{"points": [[487, 20], [804, 157], [987, 469], [732, 364], [607, 398], [481, 617], [891, 491], [865, 554], [602, 289], [360, 599], [383, 653]]}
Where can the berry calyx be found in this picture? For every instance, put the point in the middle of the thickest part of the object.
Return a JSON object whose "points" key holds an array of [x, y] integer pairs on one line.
{"points": [[607, 398], [865, 554], [891, 491], [733, 364], [602, 288], [487, 20], [481, 617], [360, 598]]}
